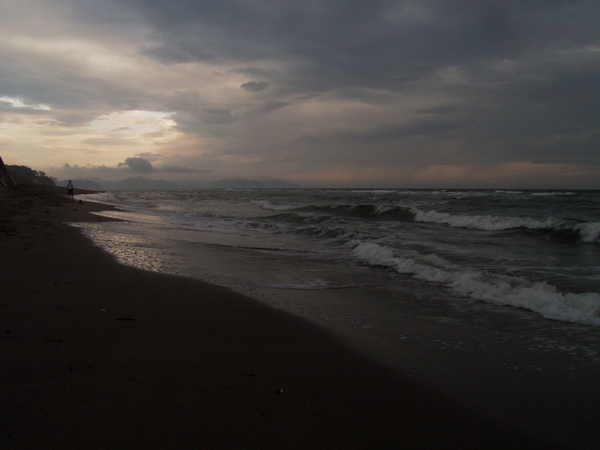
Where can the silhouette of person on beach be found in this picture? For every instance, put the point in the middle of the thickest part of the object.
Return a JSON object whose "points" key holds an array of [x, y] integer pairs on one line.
{"points": [[70, 189]]}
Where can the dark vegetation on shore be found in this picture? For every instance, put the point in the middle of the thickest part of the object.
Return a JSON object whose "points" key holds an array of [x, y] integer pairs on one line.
{"points": [[32, 183], [27, 175]]}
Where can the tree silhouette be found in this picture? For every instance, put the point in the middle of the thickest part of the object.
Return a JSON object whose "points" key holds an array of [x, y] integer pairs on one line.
{"points": [[5, 178]]}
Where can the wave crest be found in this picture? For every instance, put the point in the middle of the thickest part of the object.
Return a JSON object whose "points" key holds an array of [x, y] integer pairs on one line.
{"points": [[586, 231], [265, 204], [539, 297]]}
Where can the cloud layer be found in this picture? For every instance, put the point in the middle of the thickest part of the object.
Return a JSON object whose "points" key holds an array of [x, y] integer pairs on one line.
{"points": [[430, 93]]}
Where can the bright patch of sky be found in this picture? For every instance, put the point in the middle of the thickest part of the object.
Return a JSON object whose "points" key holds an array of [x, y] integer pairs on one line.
{"points": [[134, 124], [18, 103]]}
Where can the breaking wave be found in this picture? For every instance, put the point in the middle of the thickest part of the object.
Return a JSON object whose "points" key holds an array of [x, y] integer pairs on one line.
{"points": [[265, 204], [367, 211], [586, 231], [539, 297]]}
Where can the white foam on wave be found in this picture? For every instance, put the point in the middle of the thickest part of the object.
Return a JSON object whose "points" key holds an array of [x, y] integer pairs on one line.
{"points": [[265, 204], [548, 194], [539, 297], [374, 191], [481, 222], [100, 197], [383, 208], [589, 231]]}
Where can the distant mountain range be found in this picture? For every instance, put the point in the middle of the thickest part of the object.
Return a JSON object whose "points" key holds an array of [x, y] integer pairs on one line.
{"points": [[97, 184], [252, 184]]}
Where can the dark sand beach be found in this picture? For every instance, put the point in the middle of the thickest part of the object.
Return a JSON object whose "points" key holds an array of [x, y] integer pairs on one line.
{"points": [[97, 355]]}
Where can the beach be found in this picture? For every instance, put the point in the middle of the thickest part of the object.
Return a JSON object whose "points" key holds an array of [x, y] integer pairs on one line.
{"points": [[100, 355]]}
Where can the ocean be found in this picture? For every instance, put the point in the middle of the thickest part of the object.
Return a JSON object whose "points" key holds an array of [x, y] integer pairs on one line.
{"points": [[470, 291], [533, 250]]}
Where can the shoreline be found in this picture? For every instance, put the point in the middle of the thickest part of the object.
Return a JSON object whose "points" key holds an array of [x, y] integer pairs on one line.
{"points": [[500, 369], [101, 355]]}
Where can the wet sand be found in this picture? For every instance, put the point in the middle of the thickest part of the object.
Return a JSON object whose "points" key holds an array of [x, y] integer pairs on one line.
{"points": [[99, 355]]}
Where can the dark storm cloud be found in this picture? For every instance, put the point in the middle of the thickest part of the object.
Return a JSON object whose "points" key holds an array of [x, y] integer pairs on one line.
{"points": [[493, 82], [74, 120], [142, 165], [548, 113], [191, 121], [406, 46], [363, 42], [138, 165], [135, 165], [393, 132], [255, 86], [270, 106], [438, 110], [150, 156]]}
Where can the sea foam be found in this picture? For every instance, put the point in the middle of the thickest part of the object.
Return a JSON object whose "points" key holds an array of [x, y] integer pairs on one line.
{"points": [[265, 204], [539, 297], [588, 231]]}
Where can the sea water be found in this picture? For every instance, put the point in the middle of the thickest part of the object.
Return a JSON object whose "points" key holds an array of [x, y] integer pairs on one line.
{"points": [[528, 261], [535, 250], [471, 291], [524, 263]]}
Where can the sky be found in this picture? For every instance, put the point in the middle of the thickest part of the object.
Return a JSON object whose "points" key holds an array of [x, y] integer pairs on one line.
{"points": [[322, 93]]}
